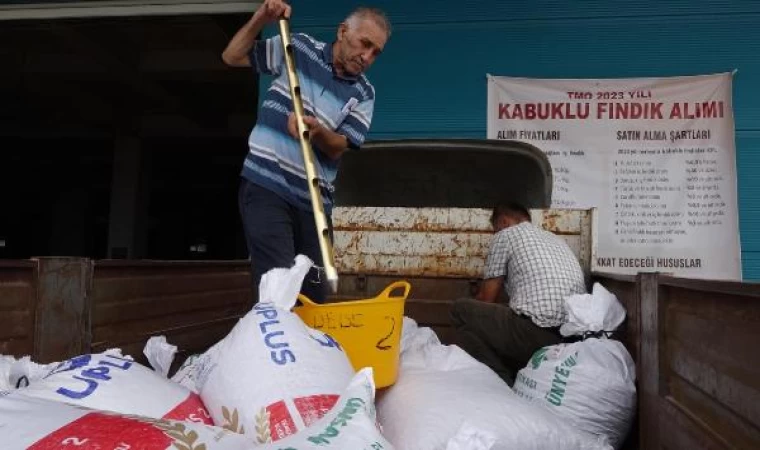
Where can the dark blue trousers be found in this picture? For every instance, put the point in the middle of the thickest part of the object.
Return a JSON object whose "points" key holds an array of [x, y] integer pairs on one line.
{"points": [[276, 232]]}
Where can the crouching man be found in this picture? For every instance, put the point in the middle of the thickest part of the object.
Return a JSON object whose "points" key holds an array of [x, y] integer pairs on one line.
{"points": [[537, 270]]}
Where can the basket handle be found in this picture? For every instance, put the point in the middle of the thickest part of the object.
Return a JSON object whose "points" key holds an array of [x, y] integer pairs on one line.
{"points": [[305, 301], [386, 294]]}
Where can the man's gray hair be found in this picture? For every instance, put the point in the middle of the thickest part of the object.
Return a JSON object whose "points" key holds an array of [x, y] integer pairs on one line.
{"points": [[374, 14]]}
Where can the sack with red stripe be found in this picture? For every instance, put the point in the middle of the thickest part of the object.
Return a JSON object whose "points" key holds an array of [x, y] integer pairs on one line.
{"points": [[36, 424], [110, 381], [350, 425], [273, 376]]}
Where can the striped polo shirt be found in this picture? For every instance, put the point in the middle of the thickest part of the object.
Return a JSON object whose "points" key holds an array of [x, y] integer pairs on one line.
{"points": [[341, 103]]}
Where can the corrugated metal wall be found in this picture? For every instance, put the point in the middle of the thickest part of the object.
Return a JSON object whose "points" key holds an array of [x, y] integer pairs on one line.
{"points": [[431, 79]]}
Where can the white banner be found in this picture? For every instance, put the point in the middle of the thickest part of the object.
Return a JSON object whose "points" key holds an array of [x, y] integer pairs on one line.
{"points": [[655, 155]]}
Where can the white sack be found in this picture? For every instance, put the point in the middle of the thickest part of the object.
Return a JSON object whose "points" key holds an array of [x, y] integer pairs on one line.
{"points": [[589, 383], [35, 424], [110, 381], [195, 369], [445, 398], [24, 369], [272, 375], [350, 425], [160, 354], [470, 437], [6, 362], [595, 312]]}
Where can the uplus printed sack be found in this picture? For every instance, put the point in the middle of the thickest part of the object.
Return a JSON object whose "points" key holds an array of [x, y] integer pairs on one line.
{"points": [[273, 376], [35, 424], [108, 381]]}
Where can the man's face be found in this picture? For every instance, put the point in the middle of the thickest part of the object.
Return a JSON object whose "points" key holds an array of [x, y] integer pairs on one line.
{"points": [[357, 47]]}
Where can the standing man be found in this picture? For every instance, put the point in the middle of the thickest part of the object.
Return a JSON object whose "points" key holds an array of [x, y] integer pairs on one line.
{"points": [[537, 270], [274, 201]]}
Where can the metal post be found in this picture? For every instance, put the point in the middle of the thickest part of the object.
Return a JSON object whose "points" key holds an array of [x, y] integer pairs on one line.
{"points": [[62, 317]]}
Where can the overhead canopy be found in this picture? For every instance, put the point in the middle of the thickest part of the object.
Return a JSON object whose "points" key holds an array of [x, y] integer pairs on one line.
{"points": [[51, 9], [444, 173], [149, 68]]}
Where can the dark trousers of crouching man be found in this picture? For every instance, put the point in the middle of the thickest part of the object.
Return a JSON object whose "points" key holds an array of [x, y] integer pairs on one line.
{"points": [[498, 337]]}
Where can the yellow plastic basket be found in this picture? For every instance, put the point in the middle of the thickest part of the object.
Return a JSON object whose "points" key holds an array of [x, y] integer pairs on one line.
{"points": [[369, 330]]}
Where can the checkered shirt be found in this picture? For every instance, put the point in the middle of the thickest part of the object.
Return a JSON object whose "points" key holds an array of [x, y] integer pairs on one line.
{"points": [[540, 270]]}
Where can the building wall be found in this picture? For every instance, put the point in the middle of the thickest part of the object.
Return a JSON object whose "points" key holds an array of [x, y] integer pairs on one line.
{"points": [[431, 80]]}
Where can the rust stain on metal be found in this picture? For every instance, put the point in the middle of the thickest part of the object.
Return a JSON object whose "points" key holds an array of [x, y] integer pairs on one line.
{"points": [[432, 220], [558, 221], [441, 242]]}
